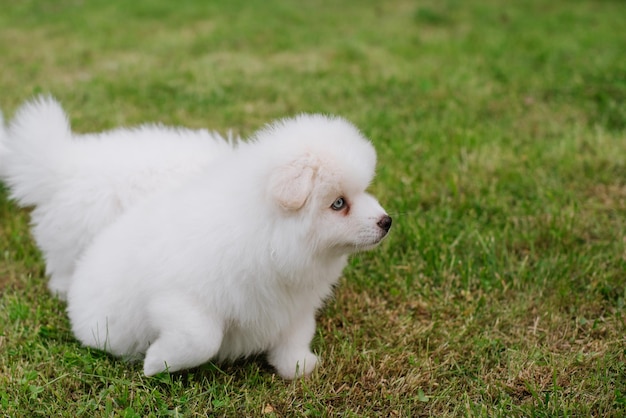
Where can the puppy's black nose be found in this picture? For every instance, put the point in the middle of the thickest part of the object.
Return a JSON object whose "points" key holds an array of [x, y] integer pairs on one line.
{"points": [[385, 222]]}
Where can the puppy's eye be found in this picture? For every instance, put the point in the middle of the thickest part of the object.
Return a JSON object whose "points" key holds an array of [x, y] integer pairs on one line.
{"points": [[338, 204]]}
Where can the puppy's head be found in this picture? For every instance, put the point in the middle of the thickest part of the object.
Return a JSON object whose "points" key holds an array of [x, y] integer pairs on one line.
{"points": [[323, 168]]}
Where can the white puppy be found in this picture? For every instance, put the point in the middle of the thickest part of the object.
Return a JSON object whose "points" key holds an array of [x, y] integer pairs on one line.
{"points": [[238, 260], [79, 184]]}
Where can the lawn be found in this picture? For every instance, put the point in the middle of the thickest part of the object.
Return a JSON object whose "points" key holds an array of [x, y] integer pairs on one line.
{"points": [[501, 138]]}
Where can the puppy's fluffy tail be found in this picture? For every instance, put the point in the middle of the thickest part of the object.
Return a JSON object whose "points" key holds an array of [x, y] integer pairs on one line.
{"points": [[34, 150], [3, 148]]}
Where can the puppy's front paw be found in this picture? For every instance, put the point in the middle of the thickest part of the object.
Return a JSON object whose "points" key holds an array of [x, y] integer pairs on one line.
{"points": [[294, 365], [154, 362]]}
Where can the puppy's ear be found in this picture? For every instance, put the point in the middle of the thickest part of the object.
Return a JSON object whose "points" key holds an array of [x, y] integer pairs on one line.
{"points": [[292, 183]]}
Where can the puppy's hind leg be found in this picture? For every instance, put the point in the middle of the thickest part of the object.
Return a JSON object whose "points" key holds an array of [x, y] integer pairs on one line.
{"points": [[59, 282], [188, 335]]}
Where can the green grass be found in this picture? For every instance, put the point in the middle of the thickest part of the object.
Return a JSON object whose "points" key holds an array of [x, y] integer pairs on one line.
{"points": [[501, 135]]}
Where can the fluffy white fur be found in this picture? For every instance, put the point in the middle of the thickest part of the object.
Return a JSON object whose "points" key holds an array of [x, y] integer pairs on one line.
{"points": [[3, 149], [79, 184], [234, 262]]}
